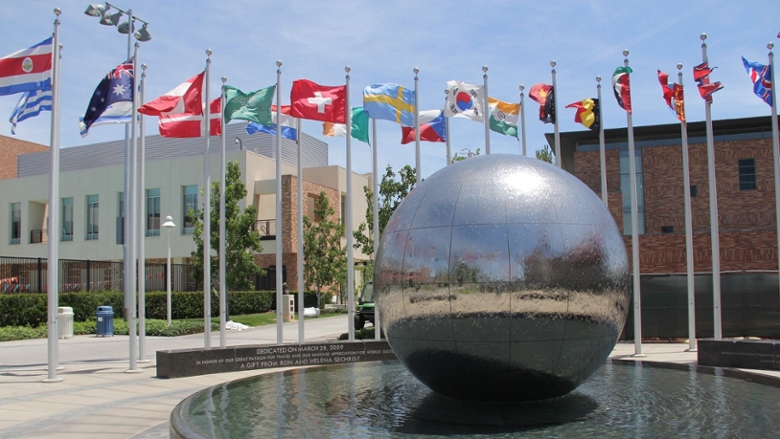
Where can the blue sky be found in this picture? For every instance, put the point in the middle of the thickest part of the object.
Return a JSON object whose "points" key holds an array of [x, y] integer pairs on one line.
{"points": [[385, 41]]}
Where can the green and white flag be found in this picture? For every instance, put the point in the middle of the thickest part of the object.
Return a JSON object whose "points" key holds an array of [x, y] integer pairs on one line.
{"points": [[359, 126], [503, 117], [253, 106]]}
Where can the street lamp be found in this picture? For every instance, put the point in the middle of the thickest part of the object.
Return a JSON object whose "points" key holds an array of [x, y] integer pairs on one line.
{"points": [[168, 224]]}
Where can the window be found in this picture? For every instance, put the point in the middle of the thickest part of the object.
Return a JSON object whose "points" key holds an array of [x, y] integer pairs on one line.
{"points": [[694, 191], [67, 219], [344, 213], [189, 203], [625, 188], [92, 217], [16, 222], [747, 174], [120, 220], [153, 212]]}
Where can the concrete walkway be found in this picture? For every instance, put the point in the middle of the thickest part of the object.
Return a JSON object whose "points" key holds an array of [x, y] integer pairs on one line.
{"points": [[97, 399]]}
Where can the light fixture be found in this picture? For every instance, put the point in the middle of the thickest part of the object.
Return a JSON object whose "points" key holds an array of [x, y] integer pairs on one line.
{"points": [[95, 10], [125, 28], [143, 34], [240, 144], [110, 19]]}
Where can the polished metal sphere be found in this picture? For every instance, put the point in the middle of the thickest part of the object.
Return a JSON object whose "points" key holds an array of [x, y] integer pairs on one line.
{"points": [[502, 278]]}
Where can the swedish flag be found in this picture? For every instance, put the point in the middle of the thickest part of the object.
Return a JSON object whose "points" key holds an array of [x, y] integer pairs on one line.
{"points": [[390, 102]]}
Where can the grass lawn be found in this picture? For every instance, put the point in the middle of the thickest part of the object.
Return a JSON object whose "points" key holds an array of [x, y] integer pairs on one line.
{"points": [[266, 318]]}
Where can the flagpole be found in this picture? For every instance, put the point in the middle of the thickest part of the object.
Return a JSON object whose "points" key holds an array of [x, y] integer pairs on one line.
{"points": [[128, 231], [207, 213], [298, 138], [279, 261], [522, 117], [558, 160], [634, 233], [350, 238], [688, 229], [714, 228], [602, 149], [775, 145], [446, 132], [377, 329], [222, 220], [54, 219], [486, 111], [141, 229], [417, 163], [132, 219]]}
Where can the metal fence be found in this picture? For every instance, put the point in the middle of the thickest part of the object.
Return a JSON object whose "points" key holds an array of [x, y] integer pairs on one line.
{"points": [[30, 275]]}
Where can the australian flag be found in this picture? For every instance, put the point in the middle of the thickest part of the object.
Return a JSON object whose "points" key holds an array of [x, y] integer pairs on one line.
{"points": [[761, 76], [115, 90]]}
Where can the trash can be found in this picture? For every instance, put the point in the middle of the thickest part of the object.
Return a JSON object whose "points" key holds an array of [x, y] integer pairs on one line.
{"points": [[105, 321], [288, 307], [65, 321]]}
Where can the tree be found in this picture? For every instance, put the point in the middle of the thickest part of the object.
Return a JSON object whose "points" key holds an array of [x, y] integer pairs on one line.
{"points": [[392, 190], [545, 154], [324, 259], [459, 158], [240, 240]]}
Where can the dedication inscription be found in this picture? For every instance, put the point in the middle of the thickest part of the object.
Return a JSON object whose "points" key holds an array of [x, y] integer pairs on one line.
{"points": [[191, 362]]}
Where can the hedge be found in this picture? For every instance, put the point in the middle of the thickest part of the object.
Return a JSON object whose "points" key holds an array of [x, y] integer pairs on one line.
{"points": [[30, 309]]}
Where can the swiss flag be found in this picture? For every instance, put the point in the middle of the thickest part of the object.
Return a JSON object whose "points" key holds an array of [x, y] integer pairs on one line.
{"points": [[185, 98], [189, 125], [318, 102]]}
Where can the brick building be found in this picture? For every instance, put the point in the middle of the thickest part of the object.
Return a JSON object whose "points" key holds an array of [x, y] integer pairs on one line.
{"points": [[10, 149], [746, 216]]}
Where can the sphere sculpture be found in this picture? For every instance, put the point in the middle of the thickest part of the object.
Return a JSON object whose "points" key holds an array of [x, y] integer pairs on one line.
{"points": [[502, 278]]}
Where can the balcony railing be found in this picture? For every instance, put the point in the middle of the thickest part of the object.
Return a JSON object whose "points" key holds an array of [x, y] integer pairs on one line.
{"points": [[39, 236], [266, 228]]}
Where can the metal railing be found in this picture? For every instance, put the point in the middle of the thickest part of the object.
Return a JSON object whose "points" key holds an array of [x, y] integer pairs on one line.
{"points": [[266, 228], [39, 236]]}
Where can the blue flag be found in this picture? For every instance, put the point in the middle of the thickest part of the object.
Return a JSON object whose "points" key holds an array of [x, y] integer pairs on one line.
{"points": [[390, 102], [287, 132], [30, 105], [761, 76], [116, 87]]}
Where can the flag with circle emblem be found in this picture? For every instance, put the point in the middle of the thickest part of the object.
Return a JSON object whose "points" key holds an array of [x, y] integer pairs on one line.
{"points": [[465, 100]]}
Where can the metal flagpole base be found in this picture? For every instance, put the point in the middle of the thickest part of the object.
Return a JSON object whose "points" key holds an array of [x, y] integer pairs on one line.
{"points": [[144, 361], [51, 380], [639, 355], [692, 350], [134, 371], [57, 368]]}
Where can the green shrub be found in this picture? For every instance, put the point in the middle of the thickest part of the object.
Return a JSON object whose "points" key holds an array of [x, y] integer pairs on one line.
{"points": [[362, 334]]}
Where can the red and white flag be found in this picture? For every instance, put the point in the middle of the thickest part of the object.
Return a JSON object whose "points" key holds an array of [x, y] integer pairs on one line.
{"points": [[318, 102], [26, 69], [189, 125], [184, 99]]}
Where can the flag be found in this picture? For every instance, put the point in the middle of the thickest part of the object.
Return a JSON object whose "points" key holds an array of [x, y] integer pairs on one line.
{"points": [[318, 102], [503, 117], [465, 100], [288, 124], [432, 128], [621, 86], [187, 98], [761, 76], [117, 86], [120, 112], [26, 69], [390, 102], [587, 113], [359, 126], [545, 96], [30, 105], [673, 95], [254, 106], [185, 125], [701, 74]]}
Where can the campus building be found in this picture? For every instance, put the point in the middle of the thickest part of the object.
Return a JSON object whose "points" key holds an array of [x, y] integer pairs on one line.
{"points": [[746, 216], [92, 198]]}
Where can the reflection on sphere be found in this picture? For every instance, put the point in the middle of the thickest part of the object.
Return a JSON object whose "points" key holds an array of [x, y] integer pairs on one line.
{"points": [[501, 278]]}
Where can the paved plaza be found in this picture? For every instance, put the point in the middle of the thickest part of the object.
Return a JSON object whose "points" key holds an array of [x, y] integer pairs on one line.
{"points": [[98, 399]]}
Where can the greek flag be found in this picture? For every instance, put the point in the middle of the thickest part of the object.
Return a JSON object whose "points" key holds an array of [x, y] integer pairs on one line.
{"points": [[30, 105]]}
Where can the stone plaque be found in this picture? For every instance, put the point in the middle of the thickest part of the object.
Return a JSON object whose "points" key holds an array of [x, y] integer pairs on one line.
{"points": [[746, 354], [192, 362]]}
